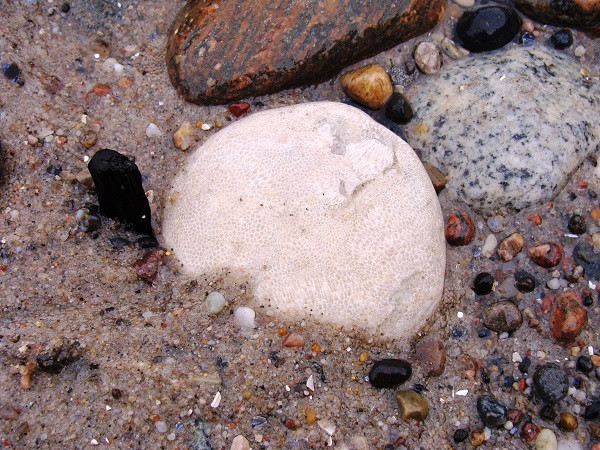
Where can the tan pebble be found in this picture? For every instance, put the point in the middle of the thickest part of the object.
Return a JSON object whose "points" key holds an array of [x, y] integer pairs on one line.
{"points": [[311, 416], [595, 213], [240, 443], [125, 83], [528, 26], [510, 247], [428, 57], [32, 140], [293, 340], [369, 85], [454, 11], [88, 139], [595, 360], [546, 440], [594, 429], [412, 405], [568, 421], [477, 438], [438, 179], [26, 370], [247, 394], [453, 50], [184, 136], [363, 357]]}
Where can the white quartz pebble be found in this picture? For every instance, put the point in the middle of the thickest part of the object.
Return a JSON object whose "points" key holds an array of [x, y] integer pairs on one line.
{"points": [[244, 317]]}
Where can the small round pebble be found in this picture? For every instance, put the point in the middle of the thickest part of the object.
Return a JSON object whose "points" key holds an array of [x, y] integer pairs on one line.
{"points": [[398, 109], [483, 284], [546, 440], [547, 254], [529, 432], [568, 422], [551, 383], [553, 284], [502, 317], [460, 228], [240, 443], [548, 413], [388, 373], [161, 427], [460, 435], [525, 283], [488, 28], [491, 411], [562, 39], [584, 364], [244, 317], [428, 57], [577, 224], [215, 302]]}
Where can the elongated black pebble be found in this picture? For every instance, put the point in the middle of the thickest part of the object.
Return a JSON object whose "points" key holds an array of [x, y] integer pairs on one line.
{"points": [[118, 184]]}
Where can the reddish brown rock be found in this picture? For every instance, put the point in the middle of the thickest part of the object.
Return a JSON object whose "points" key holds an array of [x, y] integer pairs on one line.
{"points": [[529, 432], [431, 354], [546, 255], [219, 52], [568, 317], [460, 228], [582, 14], [237, 109], [515, 416], [510, 247], [293, 340], [147, 266]]}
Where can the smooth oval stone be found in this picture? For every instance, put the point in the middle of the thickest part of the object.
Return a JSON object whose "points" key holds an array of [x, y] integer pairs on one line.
{"points": [[280, 44], [488, 28], [389, 373], [551, 383], [562, 39], [492, 412], [502, 317], [582, 14], [215, 302]]}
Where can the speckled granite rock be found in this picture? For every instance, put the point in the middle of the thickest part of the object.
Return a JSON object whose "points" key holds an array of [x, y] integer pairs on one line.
{"points": [[582, 14], [508, 128], [220, 52]]}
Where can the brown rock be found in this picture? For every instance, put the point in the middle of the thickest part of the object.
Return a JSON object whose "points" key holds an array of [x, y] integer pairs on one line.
{"points": [[147, 266], [219, 52], [369, 85], [8, 412], [237, 109], [568, 317], [293, 340], [438, 179], [510, 247], [568, 422], [582, 14], [529, 432], [101, 90], [503, 316], [515, 416], [431, 354], [547, 254], [477, 438], [594, 429], [88, 139], [460, 228], [596, 446], [412, 405]]}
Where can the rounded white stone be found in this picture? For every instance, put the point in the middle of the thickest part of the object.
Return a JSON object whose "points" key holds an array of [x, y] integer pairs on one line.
{"points": [[244, 317], [329, 214], [152, 130], [240, 443], [546, 440], [215, 302]]}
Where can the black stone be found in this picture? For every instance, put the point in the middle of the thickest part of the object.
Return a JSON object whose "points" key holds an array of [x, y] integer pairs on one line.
{"points": [[592, 410], [54, 169], [525, 282], [485, 376], [548, 413], [11, 71], [119, 187], [389, 373], [551, 383], [577, 224], [562, 39], [585, 256], [65, 7], [584, 364], [488, 28], [147, 242], [588, 300], [493, 413], [54, 359], [483, 333], [524, 365], [483, 284], [398, 109], [460, 435]]}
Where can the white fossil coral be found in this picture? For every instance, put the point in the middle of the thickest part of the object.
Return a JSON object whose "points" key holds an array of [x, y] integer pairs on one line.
{"points": [[329, 213]]}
